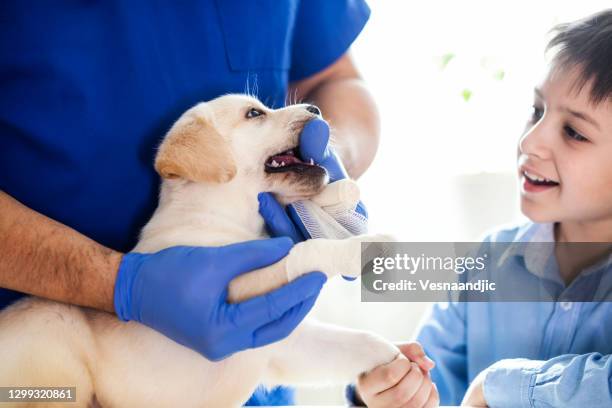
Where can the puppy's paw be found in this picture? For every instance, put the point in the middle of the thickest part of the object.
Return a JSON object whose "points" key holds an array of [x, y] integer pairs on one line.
{"points": [[361, 250], [334, 257], [342, 194], [373, 352], [374, 238]]}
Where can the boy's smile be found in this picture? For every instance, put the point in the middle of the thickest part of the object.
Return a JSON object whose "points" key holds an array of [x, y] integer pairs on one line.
{"points": [[532, 182], [565, 155]]}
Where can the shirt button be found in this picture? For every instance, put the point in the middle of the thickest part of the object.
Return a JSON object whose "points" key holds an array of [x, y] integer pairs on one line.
{"points": [[566, 305]]}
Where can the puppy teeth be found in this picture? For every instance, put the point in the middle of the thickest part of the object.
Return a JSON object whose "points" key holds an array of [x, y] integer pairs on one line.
{"points": [[311, 161]]}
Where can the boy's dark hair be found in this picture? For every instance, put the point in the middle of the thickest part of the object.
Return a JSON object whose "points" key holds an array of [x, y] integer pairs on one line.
{"points": [[586, 44]]}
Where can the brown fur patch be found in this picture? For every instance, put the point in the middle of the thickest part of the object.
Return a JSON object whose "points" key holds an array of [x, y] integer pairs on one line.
{"points": [[195, 151]]}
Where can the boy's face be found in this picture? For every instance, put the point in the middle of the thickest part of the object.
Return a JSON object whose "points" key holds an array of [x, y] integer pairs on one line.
{"points": [[565, 155]]}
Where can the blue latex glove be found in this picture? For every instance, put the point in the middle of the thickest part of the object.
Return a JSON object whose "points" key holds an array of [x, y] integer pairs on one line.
{"points": [[182, 291], [278, 223], [314, 144]]}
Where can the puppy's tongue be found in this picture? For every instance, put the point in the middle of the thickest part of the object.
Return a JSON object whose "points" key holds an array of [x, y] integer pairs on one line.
{"points": [[285, 159]]}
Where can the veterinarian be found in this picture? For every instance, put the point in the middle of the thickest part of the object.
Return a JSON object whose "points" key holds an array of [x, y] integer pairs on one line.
{"points": [[88, 89]]}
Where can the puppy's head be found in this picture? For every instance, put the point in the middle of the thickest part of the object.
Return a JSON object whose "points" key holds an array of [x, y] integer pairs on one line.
{"points": [[237, 137]]}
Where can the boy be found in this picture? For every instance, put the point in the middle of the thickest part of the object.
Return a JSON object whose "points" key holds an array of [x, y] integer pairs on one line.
{"points": [[549, 354]]}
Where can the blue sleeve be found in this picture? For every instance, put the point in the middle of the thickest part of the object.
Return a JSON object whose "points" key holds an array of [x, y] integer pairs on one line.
{"points": [[324, 30], [350, 393], [565, 381], [443, 336], [275, 396]]}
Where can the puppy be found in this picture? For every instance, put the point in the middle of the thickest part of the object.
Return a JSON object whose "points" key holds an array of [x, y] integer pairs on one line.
{"points": [[213, 162]]}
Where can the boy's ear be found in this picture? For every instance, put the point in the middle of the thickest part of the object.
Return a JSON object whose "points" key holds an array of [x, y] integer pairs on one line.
{"points": [[194, 150]]}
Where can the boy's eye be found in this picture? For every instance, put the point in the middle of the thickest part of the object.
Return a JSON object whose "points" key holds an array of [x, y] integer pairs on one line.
{"points": [[253, 113], [572, 134], [536, 114]]}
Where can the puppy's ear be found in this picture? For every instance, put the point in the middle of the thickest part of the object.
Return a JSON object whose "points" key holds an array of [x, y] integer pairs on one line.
{"points": [[194, 150]]}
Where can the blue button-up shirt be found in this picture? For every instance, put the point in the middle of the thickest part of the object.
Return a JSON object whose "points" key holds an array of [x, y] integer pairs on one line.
{"points": [[540, 354]]}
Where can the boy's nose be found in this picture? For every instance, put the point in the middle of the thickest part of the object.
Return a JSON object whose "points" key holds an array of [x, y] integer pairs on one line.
{"points": [[536, 141]]}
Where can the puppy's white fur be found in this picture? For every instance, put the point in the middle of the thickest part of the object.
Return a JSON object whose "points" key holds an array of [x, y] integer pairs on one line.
{"points": [[212, 162]]}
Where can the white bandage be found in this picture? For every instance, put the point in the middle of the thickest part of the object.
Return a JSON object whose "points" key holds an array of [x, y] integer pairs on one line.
{"points": [[332, 257], [331, 213]]}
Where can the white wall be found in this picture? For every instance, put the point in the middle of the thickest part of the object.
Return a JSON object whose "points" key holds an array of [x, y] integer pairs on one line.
{"points": [[445, 170]]}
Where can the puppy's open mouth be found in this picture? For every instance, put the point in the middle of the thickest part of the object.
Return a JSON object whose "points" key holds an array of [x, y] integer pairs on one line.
{"points": [[289, 160]]}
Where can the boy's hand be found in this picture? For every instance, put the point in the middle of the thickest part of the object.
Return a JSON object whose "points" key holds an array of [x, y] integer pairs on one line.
{"points": [[404, 382], [474, 396]]}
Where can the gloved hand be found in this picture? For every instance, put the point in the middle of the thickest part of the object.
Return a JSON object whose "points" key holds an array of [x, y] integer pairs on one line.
{"points": [[314, 144], [181, 292]]}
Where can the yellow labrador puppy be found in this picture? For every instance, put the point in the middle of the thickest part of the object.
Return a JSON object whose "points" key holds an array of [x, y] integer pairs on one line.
{"points": [[214, 161]]}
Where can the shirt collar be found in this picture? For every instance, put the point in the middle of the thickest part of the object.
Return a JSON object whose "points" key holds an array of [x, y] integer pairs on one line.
{"points": [[539, 259]]}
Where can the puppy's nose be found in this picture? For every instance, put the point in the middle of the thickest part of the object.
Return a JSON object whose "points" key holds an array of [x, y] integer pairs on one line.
{"points": [[313, 109]]}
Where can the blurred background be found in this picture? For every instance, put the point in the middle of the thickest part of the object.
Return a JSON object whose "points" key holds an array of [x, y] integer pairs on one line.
{"points": [[454, 84]]}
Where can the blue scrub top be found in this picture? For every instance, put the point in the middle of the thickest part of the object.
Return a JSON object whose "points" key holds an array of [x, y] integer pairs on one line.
{"points": [[89, 88]]}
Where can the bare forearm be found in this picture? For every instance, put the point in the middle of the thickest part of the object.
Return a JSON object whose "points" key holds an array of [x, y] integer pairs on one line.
{"points": [[45, 258], [353, 117]]}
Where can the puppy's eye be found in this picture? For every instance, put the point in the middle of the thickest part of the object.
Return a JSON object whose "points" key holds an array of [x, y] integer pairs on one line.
{"points": [[253, 113]]}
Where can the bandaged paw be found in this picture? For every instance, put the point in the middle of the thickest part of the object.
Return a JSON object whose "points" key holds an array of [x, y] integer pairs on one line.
{"points": [[342, 194], [334, 257], [332, 213]]}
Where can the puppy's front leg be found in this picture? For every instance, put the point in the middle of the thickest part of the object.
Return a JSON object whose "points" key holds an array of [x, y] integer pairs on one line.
{"points": [[332, 257], [317, 353], [258, 282]]}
